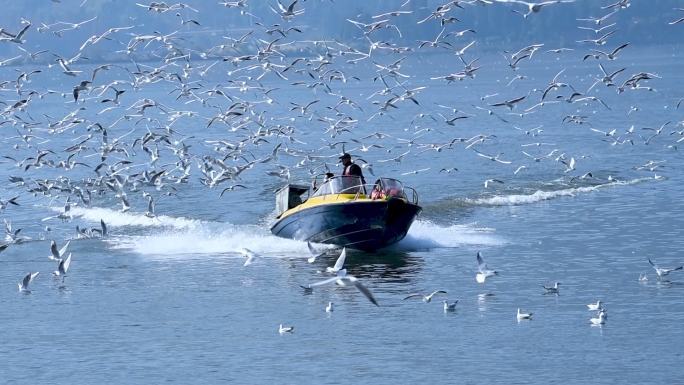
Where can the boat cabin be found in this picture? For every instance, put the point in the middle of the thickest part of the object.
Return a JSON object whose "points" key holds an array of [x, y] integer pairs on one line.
{"points": [[290, 196]]}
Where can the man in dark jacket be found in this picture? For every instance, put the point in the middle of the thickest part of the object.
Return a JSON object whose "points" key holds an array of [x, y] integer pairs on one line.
{"points": [[350, 168]]}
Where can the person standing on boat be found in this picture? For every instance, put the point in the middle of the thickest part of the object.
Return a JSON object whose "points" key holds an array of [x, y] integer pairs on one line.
{"points": [[351, 168]]}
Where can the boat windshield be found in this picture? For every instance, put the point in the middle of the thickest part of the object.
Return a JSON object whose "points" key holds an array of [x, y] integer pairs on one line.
{"points": [[391, 187], [341, 184]]}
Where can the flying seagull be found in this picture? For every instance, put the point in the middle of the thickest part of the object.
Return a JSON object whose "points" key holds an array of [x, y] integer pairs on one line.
{"points": [[342, 279], [63, 267], [661, 271], [24, 284], [483, 271]]}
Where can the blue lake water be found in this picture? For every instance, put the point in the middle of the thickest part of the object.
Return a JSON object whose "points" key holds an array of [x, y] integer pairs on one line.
{"points": [[166, 299]]}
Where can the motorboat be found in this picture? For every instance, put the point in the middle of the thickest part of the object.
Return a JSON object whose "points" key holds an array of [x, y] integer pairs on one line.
{"points": [[344, 211]]}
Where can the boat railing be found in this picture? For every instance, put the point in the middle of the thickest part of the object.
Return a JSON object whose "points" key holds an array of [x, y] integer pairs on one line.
{"points": [[408, 193], [414, 195]]}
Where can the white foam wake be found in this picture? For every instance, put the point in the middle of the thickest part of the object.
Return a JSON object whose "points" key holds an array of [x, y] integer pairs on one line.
{"points": [[539, 195], [114, 218], [217, 239], [427, 235], [227, 239]]}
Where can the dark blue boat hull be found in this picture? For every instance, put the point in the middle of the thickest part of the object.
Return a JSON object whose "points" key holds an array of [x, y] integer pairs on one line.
{"points": [[363, 225]]}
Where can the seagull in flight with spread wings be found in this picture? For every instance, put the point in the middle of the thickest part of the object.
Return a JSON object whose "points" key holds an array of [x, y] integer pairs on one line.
{"points": [[24, 284], [342, 279], [661, 271], [533, 7], [339, 264], [483, 271], [426, 298]]}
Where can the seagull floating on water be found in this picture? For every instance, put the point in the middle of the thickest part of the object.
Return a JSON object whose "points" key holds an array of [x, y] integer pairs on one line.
{"points": [[329, 308], [552, 289], [600, 320], [285, 329], [449, 306], [521, 316], [595, 306]]}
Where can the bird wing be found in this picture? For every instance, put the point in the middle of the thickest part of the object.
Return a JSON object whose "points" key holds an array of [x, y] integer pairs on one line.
{"points": [[65, 263], [323, 282], [340, 260], [311, 249], [619, 48], [481, 265], [54, 251], [26, 280], [363, 289], [63, 249], [413, 296]]}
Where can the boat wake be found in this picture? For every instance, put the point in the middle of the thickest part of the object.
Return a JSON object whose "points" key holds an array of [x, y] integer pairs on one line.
{"points": [[178, 236], [115, 218], [543, 195], [425, 235]]}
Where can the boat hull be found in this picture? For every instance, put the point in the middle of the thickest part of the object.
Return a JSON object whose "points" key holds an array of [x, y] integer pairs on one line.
{"points": [[364, 225]]}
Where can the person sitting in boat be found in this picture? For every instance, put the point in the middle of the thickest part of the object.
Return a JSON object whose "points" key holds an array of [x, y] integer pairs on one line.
{"points": [[351, 168], [377, 192]]}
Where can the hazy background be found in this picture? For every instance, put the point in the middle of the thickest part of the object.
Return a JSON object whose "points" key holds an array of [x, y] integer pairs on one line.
{"points": [[325, 19]]}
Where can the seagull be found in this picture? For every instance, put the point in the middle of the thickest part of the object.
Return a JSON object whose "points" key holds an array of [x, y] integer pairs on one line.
{"points": [[314, 254], [509, 103], [102, 230], [521, 316], [569, 165], [533, 7], [426, 298], [249, 254], [520, 168], [449, 306], [595, 306], [287, 13], [339, 264], [493, 158], [56, 255], [600, 320], [483, 272], [329, 308], [341, 278], [552, 289], [285, 329], [661, 271], [24, 284], [488, 181], [63, 267]]}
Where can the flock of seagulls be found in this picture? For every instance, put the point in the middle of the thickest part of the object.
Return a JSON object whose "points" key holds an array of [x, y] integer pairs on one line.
{"points": [[341, 278], [107, 141]]}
